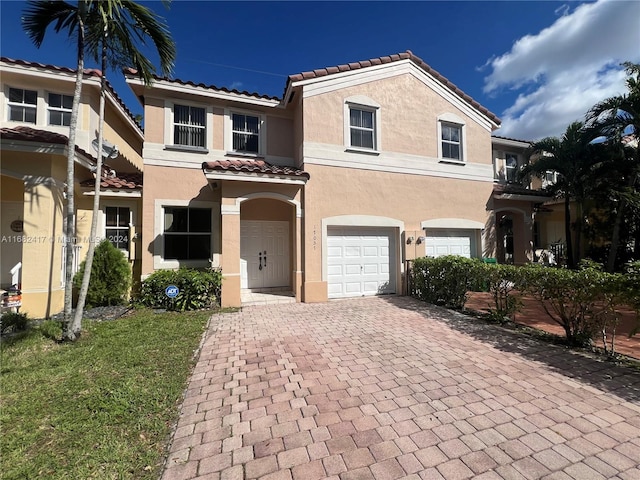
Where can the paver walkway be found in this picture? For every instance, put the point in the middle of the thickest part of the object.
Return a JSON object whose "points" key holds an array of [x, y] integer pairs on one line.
{"points": [[389, 387]]}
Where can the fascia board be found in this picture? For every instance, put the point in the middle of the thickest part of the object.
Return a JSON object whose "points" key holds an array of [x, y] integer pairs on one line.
{"points": [[336, 81], [207, 92]]}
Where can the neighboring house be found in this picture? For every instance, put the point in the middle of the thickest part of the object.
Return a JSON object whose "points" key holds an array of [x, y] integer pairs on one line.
{"points": [[35, 101], [521, 224], [324, 192]]}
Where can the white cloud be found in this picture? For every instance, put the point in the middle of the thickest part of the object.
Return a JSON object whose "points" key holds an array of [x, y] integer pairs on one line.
{"points": [[566, 68], [236, 86]]}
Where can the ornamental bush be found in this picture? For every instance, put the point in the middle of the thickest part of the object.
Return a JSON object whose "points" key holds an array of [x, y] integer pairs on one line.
{"points": [[110, 277], [501, 281], [198, 289], [583, 302], [446, 280], [13, 322]]}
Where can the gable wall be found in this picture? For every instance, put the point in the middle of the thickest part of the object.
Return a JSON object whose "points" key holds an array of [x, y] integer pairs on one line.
{"points": [[409, 110]]}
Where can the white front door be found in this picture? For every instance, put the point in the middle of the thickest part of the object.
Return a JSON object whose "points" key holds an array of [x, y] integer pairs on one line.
{"points": [[360, 262], [264, 254]]}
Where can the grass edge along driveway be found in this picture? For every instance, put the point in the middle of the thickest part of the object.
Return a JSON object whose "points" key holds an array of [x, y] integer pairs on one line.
{"points": [[100, 408]]}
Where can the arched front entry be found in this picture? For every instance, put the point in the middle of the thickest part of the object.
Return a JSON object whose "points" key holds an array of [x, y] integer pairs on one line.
{"points": [[514, 236], [266, 239]]}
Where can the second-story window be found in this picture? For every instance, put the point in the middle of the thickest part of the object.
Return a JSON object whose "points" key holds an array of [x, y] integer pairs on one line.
{"points": [[189, 126], [511, 167], [22, 105], [451, 137], [362, 128], [246, 133], [60, 109]]}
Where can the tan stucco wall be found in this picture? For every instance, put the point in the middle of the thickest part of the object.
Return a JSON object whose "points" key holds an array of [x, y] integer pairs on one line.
{"points": [[279, 136], [154, 120], [168, 184], [42, 220], [409, 112], [410, 199]]}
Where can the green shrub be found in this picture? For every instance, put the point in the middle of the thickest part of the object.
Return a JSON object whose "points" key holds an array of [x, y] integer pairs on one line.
{"points": [[110, 277], [13, 322], [198, 289], [446, 280], [501, 281], [582, 301], [51, 329]]}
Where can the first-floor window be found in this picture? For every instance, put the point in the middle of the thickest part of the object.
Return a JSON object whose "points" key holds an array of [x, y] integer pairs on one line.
{"points": [[451, 137], [117, 226], [22, 105], [187, 233]]}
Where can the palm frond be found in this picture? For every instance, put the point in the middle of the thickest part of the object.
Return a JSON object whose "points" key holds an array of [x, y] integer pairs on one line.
{"points": [[38, 16]]}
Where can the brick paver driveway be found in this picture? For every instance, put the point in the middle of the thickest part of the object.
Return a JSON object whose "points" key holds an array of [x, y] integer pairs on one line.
{"points": [[389, 388]]}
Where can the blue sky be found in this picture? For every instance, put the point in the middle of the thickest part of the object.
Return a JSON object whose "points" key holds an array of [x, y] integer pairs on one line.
{"points": [[537, 65]]}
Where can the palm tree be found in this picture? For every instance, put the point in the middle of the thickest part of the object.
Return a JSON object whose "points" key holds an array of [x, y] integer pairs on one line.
{"points": [[38, 16], [570, 158], [112, 27], [618, 119]]}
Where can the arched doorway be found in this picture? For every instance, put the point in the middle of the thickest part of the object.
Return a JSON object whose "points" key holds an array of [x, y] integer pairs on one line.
{"points": [[266, 240]]}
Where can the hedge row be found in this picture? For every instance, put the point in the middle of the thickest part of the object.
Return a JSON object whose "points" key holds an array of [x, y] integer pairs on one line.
{"points": [[198, 289], [583, 301]]}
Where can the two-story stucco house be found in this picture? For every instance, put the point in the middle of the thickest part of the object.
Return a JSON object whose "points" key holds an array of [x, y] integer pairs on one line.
{"points": [[35, 110], [324, 192]]}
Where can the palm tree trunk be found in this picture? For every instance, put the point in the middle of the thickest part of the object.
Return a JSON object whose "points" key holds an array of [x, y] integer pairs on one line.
{"points": [[567, 231], [617, 225], [71, 331], [96, 199]]}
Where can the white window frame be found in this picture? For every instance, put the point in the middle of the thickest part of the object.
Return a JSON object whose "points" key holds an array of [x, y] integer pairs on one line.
{"points": [[361, 102], [159, 262], [60, 109], [550, 178], [507, 156], [11, 105], [127, 229], [452, 120], [228, 137], [169, 126], [190, 125]]}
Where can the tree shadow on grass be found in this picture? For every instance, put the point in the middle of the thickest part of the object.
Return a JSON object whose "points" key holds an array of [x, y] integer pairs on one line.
{"points": [[621, 380]]}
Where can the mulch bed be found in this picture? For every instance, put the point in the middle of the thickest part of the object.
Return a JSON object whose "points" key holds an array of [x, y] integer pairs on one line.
{"points": [[531, 314]]}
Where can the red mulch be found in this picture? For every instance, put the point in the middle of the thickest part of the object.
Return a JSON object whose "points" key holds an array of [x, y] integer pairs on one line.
{"points": [[533, 315]]}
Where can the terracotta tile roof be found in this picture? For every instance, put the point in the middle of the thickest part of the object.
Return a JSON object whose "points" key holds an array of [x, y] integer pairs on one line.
{"points": [[88, 72], [28, 134], [132, 71], [408, 55], [123, 181], [512, 139], [515, 189], [253, 166]]}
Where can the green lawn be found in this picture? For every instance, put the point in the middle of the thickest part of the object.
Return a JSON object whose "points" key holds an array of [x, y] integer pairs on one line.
{"points": [[100, 408]]}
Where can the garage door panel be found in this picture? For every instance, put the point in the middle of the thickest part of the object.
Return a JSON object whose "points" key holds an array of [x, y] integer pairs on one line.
{"points": [[352, 269], [371, 251], [439, 243], [364, 256]]}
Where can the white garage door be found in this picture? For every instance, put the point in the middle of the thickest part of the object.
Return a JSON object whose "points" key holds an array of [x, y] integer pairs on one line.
{"points": [[360, 261], [449, 242]]}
